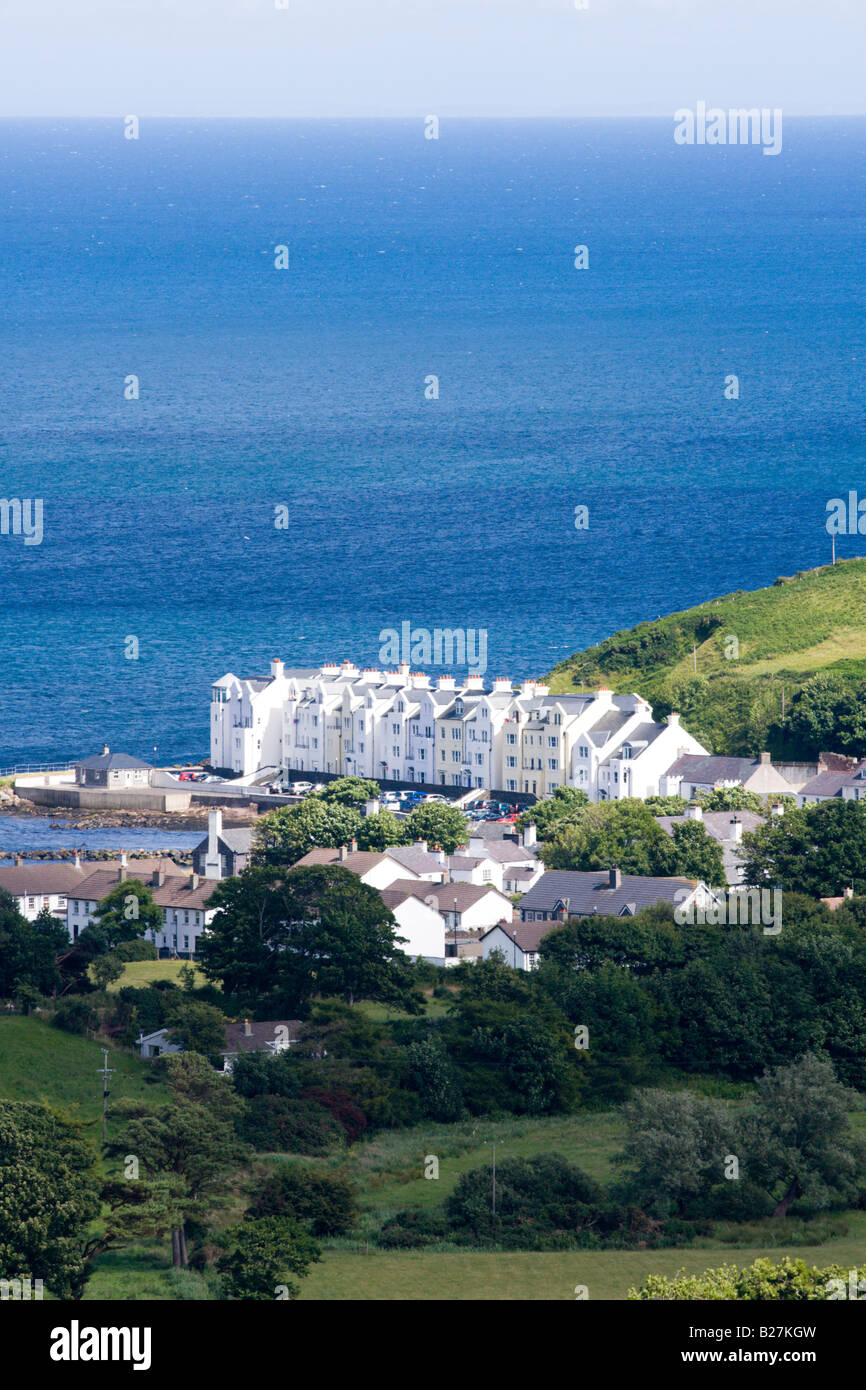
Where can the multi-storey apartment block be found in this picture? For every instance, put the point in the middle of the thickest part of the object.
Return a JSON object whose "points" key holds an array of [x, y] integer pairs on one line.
{"points": [[402, 726]]}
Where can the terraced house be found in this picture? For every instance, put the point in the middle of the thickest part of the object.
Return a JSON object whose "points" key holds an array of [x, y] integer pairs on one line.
{"points": [[404, 726]]}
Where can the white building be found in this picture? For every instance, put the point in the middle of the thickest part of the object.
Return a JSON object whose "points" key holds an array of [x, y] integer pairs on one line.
{"points": [[401, 726]]}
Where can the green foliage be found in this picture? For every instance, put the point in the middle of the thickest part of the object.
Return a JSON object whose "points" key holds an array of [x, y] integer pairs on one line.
{"points": [[28, 950], [284, 836], [326, 1201], [279, 938], [195, 1026], [782, 1281], [278, 1124], [445, 826], [136, 950], [76, 1016], [674, 1149], [625, 834], [379, 831], [547, 815], [349, 791], [106, 969], [126, 913], [433, 1075], [541, 1203], [818, 850], [798, 1137], [260, 1258], [49, 1193]]}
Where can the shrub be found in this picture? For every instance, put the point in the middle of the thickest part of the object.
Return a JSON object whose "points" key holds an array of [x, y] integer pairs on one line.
{"points": [[325, 1200], [136, 950], [277, 1124], [76, 1016], [785, 1282]]}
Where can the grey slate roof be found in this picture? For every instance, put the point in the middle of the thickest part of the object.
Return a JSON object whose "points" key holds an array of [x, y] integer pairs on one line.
{"points": [[828, 784], [101, 761], [586, 893], [697, 767]]}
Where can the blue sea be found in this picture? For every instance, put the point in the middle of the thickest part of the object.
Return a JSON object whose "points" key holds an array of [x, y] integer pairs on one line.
{"points": [[304, 388]]}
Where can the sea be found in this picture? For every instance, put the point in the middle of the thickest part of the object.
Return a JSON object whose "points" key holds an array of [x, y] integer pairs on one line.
{"points": [[244, 452]]}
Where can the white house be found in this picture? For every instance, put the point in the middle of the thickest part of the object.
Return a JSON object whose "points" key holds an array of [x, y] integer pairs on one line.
{"points": [[418, 921]]}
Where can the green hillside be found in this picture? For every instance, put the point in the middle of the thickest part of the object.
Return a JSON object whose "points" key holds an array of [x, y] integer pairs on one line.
{"points": [[730, 666]]}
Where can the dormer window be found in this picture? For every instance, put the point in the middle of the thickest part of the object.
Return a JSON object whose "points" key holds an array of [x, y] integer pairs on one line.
{"points": [[626, 750]]}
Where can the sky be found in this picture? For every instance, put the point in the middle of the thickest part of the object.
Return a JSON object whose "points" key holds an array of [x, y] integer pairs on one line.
{"points": [[450, 58]]}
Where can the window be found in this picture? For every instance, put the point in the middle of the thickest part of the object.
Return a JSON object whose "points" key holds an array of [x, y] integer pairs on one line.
{"points": [[362, 747], [512, 738], [512, 786], [427, 731], [421, 754], [360, 726], [395, 728], [443, 755], [511, 762], [551, 763], [626, 750], [483, 735], [455, 733], [455, 756], [583, 751], [347, 723], [552, 742], [479, 759]]}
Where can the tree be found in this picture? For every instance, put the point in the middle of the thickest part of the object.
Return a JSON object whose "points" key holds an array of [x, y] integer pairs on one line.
{"points": [[698, 855], [828, 712], [126, 913], [327, 1201], [547, 815], [282, 837], [433, 1075], [798, 1137], [536, 1199], [191, 1138], [195, 1026], [621, 834], [818, 850], [764, 1281], [106, 969], [28, 950], [49, 1193], [734, 799], [675, 1148], [440, 825], [261, 1256], [379, 831], [349, 791], [278, 939]]}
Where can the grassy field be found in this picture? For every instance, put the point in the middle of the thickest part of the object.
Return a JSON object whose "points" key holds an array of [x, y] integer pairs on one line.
{"points": [[729, 692], [606, 1274], [140, 973], [40, 1062]]}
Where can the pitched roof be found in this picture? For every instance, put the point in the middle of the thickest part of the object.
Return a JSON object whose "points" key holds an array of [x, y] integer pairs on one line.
{"points": [[465, 894], [827, 784], [31, 880], [98, 885], [260, 1035], [413, 857], [710, 767], [589, 892], [180, 893], [360, 862], [526, 935], [111, 760]]}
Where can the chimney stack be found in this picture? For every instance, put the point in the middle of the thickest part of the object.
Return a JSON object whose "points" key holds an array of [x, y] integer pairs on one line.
{"points": [[105, 750], [342, 852], [694, 813], [736, 830], [777, 809], [614, 878], [765, 758], [353, 846], [248, 1028], [193, 880], [530, 835]]}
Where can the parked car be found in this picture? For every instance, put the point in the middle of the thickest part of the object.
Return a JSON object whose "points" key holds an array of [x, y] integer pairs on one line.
{"points": [[300, 788]]}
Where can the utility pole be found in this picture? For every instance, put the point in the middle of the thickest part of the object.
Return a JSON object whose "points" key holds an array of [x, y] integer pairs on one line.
{"points": [[833, 543], [493, 1202], [695, 656], [105, 1071]]}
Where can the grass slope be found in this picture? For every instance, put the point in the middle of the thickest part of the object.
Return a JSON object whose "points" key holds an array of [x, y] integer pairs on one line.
{"points": [[730, 693], [41, 1063]]}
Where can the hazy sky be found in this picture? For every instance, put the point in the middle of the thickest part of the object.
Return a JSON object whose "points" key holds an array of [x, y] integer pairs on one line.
{"points": [[419, 57]]}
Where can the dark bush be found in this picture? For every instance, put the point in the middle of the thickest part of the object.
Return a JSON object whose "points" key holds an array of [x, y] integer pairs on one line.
{"points": [[277, 1124], [325, 1200]]}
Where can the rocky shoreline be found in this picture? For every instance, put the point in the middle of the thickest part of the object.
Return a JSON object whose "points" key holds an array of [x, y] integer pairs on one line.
{"points": [[193, 819]]}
